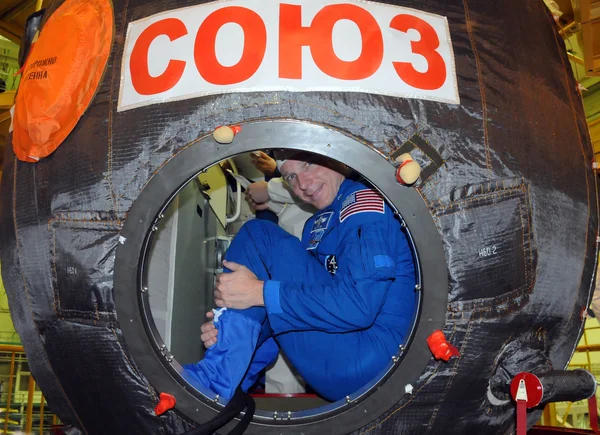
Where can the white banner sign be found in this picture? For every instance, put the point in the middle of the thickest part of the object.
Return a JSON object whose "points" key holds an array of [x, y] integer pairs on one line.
{"points": [[299, 46]]}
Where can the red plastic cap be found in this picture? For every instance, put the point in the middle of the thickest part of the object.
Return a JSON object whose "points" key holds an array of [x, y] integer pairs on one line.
{"points": [[533, 386], [235, 128], [439, 347], [165, 403]]}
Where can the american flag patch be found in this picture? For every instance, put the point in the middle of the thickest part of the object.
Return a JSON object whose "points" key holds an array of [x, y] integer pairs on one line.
{"points": [[362, 201]]}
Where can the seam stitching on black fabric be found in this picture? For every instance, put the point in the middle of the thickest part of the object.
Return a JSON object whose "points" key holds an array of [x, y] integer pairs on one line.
{"points": [[532, 243], [436, 173], [95, 303], [475, 195], [451, 380], [506, 297], [585, 158], [432, 168], [419, 134], [28, 297], [109, 226], [148, 386], [56, 298], [109, 163], [132, 180], [108, 316], [413, 396], [436, 182], [456, 309], [421, 149], [427, 203], [524, 225], [471, 204], [481, 87], [500, 194], [72, 310], [116, 224], [478, 314]]}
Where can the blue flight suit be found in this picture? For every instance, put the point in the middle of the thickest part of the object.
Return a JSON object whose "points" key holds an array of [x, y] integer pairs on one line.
{"points": [[339, 303]]}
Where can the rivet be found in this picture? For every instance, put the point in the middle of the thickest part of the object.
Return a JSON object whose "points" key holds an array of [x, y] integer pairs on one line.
{"points": [[418, 287], [216, 399], [348, 399]]}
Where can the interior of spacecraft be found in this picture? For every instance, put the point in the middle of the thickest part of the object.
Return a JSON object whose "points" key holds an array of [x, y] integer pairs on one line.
{"points": [[184, 257]]}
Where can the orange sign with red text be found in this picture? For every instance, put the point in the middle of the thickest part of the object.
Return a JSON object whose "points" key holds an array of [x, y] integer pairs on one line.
{"points": [[299, 46]]}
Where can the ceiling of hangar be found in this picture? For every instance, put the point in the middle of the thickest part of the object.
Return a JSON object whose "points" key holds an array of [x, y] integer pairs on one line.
{"points": [[578, 22], [579, 25], [13, 14]]}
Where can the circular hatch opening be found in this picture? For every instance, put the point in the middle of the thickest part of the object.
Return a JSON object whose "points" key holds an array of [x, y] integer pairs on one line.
{"points": [[176, 222]]}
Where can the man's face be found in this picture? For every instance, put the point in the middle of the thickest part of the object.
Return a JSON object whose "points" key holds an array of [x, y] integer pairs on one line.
{"points": [[312, 183]]}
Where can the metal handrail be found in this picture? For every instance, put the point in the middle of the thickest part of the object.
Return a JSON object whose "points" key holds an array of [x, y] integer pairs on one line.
{"points": [[15, 356]]}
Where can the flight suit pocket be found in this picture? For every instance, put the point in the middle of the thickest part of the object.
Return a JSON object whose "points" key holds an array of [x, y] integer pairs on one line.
{"points": [[376, 261], [489, 246]]}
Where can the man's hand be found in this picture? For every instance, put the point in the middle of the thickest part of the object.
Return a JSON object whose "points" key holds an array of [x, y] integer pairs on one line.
{"points": [[264, 163], [238, 289], [257, 195], [209, 331]]}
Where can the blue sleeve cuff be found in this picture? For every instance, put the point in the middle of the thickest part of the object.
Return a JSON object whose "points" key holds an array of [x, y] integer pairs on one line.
{"points": [[271, 297]]}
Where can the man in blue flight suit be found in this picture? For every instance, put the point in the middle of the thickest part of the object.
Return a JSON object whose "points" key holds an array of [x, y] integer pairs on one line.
{"points": [[339, 302]]}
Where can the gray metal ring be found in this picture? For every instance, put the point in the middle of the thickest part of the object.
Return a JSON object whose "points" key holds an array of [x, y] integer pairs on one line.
{"points": [[144, 345]]}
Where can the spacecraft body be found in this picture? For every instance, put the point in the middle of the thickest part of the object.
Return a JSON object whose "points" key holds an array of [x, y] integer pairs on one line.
{"points": [[503, 217]]}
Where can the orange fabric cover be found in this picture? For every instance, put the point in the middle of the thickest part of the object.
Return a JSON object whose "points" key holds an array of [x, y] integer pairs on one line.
{"points": [[61, 75]]}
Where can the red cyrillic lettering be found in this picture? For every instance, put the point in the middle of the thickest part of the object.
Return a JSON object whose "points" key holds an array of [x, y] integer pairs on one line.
{"points": [[142, 81], [319, 37], [255, 44], [435, 76]]}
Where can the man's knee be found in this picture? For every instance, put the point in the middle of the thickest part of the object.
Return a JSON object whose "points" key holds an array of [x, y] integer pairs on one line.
{"points": [[263, 245], [265, 231], [255, 226], [253, 233], [253, 241]]}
